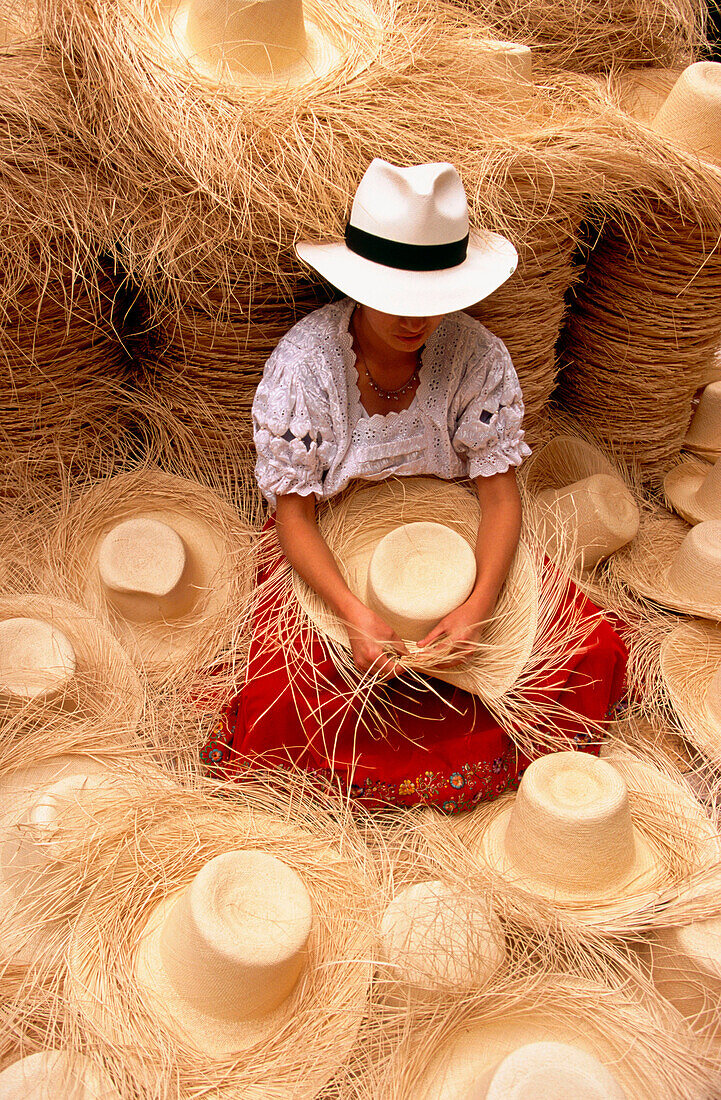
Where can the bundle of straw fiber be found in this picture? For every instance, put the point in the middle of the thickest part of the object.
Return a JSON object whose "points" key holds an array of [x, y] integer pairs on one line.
{"points": [[639, 333], [594, 36]]}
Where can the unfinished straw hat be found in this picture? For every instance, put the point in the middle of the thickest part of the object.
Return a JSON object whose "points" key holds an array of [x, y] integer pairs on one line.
{"points": [[408, 246], [704, 433], [271, 44], [57, 659], [693, 489], [686, 969], [583, 507], [436, 938], [36, 804], [165, 560], [578, 835], [239, 932], [691, 114], [690, 663], [674, 566], [354, 524], [552, 1036], [55, 1075]]}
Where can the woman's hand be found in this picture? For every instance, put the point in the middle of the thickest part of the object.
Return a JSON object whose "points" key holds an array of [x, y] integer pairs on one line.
{"points": [[373, 642], [454, 637]]}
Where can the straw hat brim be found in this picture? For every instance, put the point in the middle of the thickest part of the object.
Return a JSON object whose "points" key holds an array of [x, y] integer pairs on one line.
{"points": [[490, 261], [328, 46], [353, 525], [690, 657], [340, 953], [562, 461], [681, 486], [643, 565], [105, 683], [651, 878], [709, 453]]}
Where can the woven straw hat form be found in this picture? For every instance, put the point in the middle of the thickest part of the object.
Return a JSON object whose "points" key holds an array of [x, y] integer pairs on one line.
{"points": [[579, 835], [165, 560], [353, 526], [704, 433], [436, 938], [690, 664], [686, 969], [271, 44], [693, 489], [583, 506], [54, 654], [55, 1075], [691, 114], [675, 567]]}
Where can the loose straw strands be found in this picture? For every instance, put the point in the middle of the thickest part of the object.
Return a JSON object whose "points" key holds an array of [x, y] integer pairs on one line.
{"points": [[589, 36]]}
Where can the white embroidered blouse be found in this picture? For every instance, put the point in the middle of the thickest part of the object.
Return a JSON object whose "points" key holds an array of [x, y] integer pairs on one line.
{"points": [[312, 434]]}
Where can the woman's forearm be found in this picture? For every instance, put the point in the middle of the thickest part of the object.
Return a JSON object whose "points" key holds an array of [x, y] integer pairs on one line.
{"points": [[498, 534], [308, 553]]}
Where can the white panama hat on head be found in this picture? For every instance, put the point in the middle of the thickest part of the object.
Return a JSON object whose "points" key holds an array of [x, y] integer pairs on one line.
{"points": [[408, 249]]}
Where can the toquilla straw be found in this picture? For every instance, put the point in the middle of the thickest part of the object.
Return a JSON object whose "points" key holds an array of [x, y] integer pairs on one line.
{"points": [[690, 667], [693, 489]]}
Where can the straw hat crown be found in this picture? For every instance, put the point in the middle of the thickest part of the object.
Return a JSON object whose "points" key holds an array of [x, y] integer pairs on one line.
{"points": [[548, 1069], [704, 433], [37, 660], [695, 571], [691, 114], [597, 515], [686, 968], [55, 1075], [223, 955], [569, 832], [417, 574], [694, 491], [260, 36]]}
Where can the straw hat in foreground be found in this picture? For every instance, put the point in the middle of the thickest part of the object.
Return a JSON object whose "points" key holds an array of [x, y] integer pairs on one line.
{"points": [[55, 1075], [437, 939], [691, 670], [236, 933], [693, 489], [354, 526], [605, 842], [675, 567], [690, 116], [583, 507], [686, 969], [58, 661], [166, 561], [704, 433], [560, 1036]]}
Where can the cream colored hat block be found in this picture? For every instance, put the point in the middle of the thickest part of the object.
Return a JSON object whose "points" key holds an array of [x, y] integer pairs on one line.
{"points": [[55, 1075], [417, 574], [36, 804], [690, 664], [693, 490], [549, 1069], [163, 559], [569, 834], [221, 959], [675, 567], [436, 939], [691, 114], [704, 433], [354, 527], [593, 517], [54, 654], [686, 969]]}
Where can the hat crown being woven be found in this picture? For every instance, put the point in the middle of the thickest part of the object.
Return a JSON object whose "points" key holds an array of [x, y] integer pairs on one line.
{"points": [[234, 943], [708, 495], [422, 205], [695, 571], [36, 658], [570, 826], [142, 556], [548, 1069], [704, 430], [686, 968], [55, 1075], [597, 515], [250, 36], [691, 114]]}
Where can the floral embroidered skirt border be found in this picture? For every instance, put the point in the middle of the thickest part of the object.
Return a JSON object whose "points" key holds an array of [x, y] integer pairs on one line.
{"points": [[438, 746]]}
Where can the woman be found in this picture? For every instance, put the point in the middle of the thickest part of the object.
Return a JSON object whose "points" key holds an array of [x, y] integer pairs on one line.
{"points": [[392, 381]]}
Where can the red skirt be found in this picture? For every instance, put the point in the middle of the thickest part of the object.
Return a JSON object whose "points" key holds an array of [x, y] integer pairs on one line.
{"points": [[436, 745]]}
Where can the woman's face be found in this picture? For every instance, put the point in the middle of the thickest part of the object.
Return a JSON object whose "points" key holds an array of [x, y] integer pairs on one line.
{"points": [[401, 333]]}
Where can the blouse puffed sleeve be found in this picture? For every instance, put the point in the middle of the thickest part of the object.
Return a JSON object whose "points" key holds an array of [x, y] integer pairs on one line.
{"points": [[489, 413], [292, 426]]}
